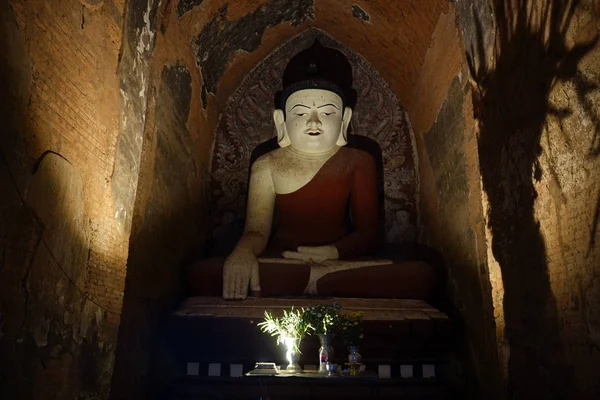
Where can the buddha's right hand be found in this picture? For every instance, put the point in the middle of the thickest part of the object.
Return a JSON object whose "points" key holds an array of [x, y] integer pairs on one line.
{"points": [[240, 269]]}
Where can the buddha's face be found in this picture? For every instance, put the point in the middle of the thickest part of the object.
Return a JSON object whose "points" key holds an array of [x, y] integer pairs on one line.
{"points": [[315, 120]]}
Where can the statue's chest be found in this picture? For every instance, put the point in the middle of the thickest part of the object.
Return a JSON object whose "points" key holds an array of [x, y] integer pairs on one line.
{"points": [[294, 175], [291, 174]]}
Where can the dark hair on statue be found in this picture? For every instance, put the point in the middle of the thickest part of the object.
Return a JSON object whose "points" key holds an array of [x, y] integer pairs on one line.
{"points": [[318, 67]]}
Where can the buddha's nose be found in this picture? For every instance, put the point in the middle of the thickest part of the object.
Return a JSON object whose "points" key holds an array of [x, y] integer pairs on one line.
{"points": [[313, 120]]}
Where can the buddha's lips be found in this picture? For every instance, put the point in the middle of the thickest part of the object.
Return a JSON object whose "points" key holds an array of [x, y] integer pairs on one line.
{"points": [[314, 133]]}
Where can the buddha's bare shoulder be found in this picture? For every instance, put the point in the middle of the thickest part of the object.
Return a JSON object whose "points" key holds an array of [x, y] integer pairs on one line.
{"points": [[269, 162]]}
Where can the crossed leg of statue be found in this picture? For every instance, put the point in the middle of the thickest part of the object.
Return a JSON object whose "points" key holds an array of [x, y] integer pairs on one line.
{"points": [[407, 280]]}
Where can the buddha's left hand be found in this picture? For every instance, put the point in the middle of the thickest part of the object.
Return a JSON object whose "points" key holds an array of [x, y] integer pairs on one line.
{"points": [[315, 254]]}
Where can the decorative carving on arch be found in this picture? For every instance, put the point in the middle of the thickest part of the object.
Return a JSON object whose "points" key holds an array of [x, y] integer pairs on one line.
{"points": [[247, 121]]}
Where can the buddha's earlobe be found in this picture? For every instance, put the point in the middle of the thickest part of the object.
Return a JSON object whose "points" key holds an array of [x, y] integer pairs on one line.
{"points": [[283, 139], [343, 138]]}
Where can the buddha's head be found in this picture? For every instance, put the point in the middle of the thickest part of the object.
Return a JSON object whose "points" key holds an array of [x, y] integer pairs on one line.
{"points": [[314, 108]]}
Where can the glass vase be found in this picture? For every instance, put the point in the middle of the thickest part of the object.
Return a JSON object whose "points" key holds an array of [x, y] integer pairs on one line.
{"points": [[354, 360], [325, 353], [292, 354]]}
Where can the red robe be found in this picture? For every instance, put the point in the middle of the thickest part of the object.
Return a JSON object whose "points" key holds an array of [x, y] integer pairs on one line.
{"points": [[315, 214]]}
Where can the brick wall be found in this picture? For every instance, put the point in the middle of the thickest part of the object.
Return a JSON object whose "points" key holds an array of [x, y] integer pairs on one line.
{"points": [[61, 292], [523, 270], [451, 208], [168, 216], [538, 132], [568, 203], [73, 111]]}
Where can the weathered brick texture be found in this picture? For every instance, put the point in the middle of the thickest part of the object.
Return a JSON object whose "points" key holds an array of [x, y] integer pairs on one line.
{"points": [[70, 305], [74, 111], [538, 140]]}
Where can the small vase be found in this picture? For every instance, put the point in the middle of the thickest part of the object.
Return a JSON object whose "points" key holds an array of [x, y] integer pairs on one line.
{"points": [[354, 360], [292, 354], [325, 353]]}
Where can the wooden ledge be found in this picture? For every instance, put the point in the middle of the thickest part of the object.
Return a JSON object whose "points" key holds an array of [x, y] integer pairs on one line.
{"points": [[255, 307]]}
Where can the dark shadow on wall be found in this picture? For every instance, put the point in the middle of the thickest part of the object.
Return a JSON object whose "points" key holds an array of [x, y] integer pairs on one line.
{"points": [[511, 101]]}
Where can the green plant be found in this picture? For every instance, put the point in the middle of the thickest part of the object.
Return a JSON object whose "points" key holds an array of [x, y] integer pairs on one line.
{"points": [[351, 328], [323, 319], [290, 325]]}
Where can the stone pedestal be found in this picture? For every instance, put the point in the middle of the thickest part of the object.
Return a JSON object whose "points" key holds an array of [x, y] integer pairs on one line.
{"points": [[406, 342]]}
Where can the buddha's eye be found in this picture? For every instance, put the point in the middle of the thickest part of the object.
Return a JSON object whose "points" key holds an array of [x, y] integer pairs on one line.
{"points": [[327, 114], [301, 114]]}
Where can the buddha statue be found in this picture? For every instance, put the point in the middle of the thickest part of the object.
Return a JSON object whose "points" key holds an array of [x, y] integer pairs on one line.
{"points": [[312, 180]]}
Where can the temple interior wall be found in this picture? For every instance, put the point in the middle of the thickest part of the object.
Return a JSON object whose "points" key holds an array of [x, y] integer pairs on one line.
{"points": [[169, 209], [105, 151], [535, 97], [62, 273], [451, 210]]}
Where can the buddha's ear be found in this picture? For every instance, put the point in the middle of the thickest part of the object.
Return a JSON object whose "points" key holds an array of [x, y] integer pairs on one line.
{"points": [[343, 138], [283, 139]]}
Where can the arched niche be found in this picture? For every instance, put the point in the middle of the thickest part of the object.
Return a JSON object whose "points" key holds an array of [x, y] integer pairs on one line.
{"points": [[247, 122]]}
